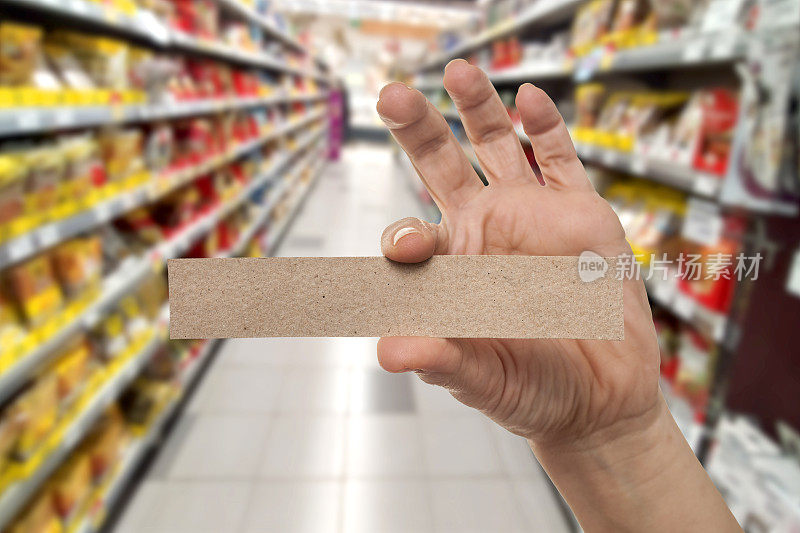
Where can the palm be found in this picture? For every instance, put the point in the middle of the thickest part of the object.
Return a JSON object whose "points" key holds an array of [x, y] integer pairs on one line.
{"points": [[538, 388]]}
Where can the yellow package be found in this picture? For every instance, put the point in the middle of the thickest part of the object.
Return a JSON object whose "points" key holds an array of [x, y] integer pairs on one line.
{"points": [[11, 424], [106, 442], [39, 407], [78, 264], [47, 166], [39, 517], [71, 367], [11, 329], [12, 191], [19, 47], [71, 485], [35, 289]]}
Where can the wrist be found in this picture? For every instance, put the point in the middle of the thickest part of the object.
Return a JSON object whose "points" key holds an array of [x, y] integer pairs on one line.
{"points": [[634, 464]]}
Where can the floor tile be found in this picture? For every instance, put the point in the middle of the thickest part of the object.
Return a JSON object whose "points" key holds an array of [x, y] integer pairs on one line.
{"points": [[293, 507], [384, 446], [377, 391], [238, 390], [304, 447], [483, 506], [539, 505], [220, 447], [459, 445], [315, 391], [387, 506], [185, 507]]}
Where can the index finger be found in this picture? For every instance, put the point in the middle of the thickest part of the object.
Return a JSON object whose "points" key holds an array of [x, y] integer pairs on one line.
{"points": [[424, 135]]}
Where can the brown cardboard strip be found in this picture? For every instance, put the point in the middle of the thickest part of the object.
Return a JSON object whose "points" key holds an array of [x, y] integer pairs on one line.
{"points": [[446, 296]]}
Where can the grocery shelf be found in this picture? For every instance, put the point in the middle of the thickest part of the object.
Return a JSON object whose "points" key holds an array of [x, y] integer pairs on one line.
{"points": [[92, 13], [17, 495], [672, 174], [47, 235], [249, 13], [145, 26], [114, 287], [275, 195], [39, 120], [278, 232], [137, 450], [128, 277], [530, 72], [700, 48], [667, 296], [537, 13]]}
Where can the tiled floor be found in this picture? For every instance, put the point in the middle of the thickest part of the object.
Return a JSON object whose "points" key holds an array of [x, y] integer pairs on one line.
{"points": [[311, 435]]}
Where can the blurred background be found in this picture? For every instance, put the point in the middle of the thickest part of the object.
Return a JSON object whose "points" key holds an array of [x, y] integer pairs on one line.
{"points": [[134, 131]]}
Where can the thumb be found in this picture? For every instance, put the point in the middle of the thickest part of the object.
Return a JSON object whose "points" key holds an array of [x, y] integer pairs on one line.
{"points": [[409, 240]]}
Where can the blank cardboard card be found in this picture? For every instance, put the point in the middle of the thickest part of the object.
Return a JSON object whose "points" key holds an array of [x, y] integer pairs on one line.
{"points": [[446, 296]]}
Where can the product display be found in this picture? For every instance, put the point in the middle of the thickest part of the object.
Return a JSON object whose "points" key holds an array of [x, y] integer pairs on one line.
{"points": [[169, 129]]}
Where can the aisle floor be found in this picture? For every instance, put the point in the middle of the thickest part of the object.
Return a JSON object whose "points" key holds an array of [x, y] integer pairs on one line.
{"points": [[311, 435]]}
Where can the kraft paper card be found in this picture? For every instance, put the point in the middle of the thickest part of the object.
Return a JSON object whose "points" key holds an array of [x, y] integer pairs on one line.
{"points": [[446, 296]]}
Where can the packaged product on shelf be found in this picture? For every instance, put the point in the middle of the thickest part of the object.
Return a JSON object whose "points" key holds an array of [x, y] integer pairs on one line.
{"points": [[591, 23], [38, 517], [34, 286], [12, 193], [719, 111], [19, 48], [136, 323], [78, 265], [71, 486], [12, 331], [38, 405], [152, 293], [12, 421], [668, 14], [144, 399], [105, 443], [139, 231], [84, 168], [159, 148], [110, 336], [71, 368], [588, 103], [692, 379], [122, 152], [46, 166]]}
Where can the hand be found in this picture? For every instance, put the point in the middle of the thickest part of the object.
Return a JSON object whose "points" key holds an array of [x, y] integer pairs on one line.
{"points": [[550, 391]]}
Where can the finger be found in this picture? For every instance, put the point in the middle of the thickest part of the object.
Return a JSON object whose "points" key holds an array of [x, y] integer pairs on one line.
{"points": [[433, 356], [487, 124], [410, 240], [425, 136], [552, 146]]}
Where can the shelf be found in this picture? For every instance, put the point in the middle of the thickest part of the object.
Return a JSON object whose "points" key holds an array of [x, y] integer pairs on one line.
{"points": [[145, 26], [137, 450], [541, 12], [52, 233], [278, 232], [710, 323], [17, 495], [41, 120], [671, 174], [128, 277]]}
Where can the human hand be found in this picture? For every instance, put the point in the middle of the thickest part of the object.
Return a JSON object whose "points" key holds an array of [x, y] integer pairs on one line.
{"points": [[591, 409], [548, 390]]}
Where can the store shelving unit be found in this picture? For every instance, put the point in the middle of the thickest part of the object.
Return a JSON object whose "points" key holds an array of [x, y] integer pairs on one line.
{"points": [[301, 156], [14, 497], [49, 234], [34, 121]]}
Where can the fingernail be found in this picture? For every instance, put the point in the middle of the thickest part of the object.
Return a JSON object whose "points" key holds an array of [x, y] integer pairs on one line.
{"points": [[391, 124], [403, 232]]}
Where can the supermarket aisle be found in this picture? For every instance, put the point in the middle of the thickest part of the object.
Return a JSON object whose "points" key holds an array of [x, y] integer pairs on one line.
{"points": [[311, 435]]}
